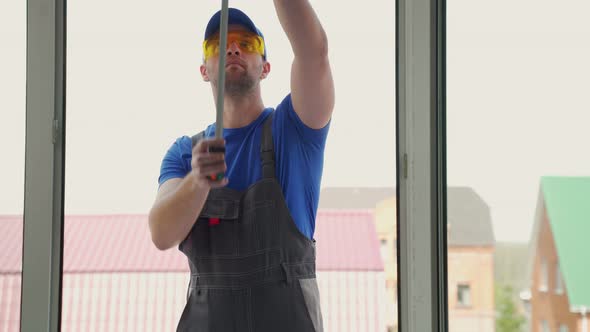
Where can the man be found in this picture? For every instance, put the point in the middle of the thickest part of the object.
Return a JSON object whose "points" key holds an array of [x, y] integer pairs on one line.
{"points": [[249, 236]]}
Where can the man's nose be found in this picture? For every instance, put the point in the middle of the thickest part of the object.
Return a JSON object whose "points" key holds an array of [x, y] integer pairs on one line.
{"points": [[233, 49]]}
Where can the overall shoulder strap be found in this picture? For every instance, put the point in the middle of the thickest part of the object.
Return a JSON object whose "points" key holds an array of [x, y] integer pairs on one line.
{"points": [[267, 153]]}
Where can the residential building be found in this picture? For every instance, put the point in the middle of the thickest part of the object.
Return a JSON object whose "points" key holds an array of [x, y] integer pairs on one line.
{"points": [[559, 273], [470, 265], [470, 249]]}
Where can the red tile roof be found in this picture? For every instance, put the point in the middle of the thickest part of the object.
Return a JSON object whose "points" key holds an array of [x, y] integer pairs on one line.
{"points": [[346, 240]]}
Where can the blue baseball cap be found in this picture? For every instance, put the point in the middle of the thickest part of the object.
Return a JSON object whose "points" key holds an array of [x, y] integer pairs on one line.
{"points": [[235, 16]]}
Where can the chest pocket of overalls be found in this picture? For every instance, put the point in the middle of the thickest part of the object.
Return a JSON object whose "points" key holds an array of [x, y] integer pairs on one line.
{"points": [[216, 231]]}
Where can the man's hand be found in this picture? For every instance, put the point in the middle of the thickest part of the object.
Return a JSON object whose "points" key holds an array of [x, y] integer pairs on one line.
{"points": [[207, 165], [180, 201]]}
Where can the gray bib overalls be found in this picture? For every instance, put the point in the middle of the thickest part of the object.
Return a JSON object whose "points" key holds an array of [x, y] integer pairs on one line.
{"points": [[252, 270]]}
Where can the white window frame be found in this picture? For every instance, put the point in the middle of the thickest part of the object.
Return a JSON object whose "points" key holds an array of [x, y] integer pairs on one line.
{"points": [[563, 328], [421, 165]]}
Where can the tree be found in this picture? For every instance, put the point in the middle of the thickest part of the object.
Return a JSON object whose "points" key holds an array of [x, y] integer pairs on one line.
{"points": [[507, 317]]}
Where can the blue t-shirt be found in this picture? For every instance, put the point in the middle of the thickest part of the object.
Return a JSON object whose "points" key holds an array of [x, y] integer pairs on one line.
{"points": [[299, 158]]}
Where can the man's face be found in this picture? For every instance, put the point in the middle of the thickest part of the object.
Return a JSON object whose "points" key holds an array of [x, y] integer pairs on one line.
{"points": [[244, 69]]}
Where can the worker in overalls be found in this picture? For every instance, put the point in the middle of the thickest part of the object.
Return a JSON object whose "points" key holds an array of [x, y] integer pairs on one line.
{"points": [[248, 235]]}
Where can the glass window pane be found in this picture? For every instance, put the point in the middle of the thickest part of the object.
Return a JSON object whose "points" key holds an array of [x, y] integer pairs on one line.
{"points": [[543, 276], [463, 295], [517, 171], [134, 87], [558, 281], [12, 142]]}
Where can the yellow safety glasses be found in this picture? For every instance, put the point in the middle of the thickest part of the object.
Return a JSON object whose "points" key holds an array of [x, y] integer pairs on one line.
{"points": [[247, 42]]}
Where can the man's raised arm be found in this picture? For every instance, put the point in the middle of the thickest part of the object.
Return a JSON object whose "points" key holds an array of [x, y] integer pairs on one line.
{"points": [[312, 86]]}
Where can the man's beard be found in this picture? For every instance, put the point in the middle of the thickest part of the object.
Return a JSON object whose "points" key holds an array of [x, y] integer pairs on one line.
{"points": [[239, 85]]}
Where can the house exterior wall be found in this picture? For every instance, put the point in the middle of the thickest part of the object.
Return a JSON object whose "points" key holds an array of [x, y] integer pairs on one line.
{"points": [[10, 292], [473, 266], [547, 304], [580, 324], [352, 301], [385, 218]]}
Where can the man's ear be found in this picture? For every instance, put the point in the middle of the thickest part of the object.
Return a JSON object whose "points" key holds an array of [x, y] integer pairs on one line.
{"points": [[204, 73], [265, 70]]}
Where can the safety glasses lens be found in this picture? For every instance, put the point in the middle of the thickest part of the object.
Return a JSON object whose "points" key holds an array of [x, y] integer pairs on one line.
{"points": [[246, 42]]}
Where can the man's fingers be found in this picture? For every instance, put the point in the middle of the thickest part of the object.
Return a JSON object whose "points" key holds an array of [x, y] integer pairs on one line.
{"points": [[206, 159], [208, 144], [216, 149], [217, 183], [212, 169], [209, 160]]}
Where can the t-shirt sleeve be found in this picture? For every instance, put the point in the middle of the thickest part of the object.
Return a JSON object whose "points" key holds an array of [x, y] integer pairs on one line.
{"points": [[290, 122], [176, 162]]}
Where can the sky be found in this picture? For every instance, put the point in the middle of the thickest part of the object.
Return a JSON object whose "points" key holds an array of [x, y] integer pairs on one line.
{"points": [[516, 102]]}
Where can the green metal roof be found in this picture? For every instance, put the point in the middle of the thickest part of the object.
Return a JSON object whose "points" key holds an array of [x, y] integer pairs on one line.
{"points": [[567, 200]]}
